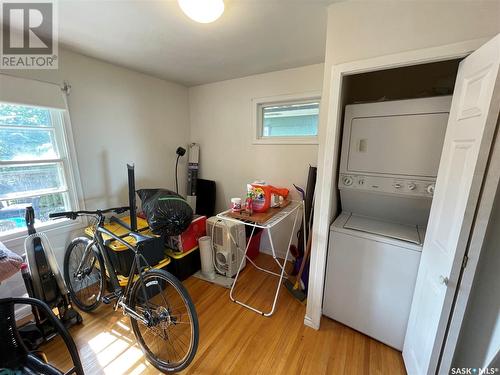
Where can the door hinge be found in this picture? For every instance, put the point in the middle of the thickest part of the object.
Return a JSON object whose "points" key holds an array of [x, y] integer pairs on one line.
{"points": [[464, 262]]}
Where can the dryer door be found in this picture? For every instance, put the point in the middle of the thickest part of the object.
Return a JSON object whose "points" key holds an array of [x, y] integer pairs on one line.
{"points": [[405, 145]]}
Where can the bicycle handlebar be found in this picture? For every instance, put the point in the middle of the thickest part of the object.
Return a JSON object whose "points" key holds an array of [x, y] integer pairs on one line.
{"points": [[74, 214]]}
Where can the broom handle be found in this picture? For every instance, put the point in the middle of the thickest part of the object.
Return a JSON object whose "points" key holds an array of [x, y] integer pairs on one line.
{"points": [[308, 245], [304, 259]]}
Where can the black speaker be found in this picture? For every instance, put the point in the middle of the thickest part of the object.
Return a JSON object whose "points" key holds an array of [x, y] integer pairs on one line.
{"points": [[205, 197]]}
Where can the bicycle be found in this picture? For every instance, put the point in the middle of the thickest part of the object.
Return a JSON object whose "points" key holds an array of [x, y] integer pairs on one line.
{"points": [[162, 314]]}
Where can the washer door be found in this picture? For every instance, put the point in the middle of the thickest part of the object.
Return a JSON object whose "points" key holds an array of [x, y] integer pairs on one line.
{"points": [[402, 232]]}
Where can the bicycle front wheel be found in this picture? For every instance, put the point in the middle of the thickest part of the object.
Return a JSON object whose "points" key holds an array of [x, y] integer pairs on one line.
{"points": [[83, 274], [168, 332]]}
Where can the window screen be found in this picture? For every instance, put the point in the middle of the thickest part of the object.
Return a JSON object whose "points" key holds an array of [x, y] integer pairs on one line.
{"points": [[290, 120]]}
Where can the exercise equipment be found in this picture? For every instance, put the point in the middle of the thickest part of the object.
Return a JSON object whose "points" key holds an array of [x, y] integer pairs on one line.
{"points": [[15, 357], [44, 280]]}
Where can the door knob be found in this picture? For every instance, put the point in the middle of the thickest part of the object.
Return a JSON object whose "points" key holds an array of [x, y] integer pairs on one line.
{"points": [[443, 280]]}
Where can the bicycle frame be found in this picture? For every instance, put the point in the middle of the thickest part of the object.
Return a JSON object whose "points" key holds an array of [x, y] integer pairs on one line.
{"points": [[121, 294]]}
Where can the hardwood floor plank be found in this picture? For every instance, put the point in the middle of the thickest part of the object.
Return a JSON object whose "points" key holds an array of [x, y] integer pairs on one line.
{"points": [[235, 340]]}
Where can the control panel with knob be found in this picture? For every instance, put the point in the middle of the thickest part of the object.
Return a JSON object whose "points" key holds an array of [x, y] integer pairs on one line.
{"points": [[347, 180], [387, 185]]}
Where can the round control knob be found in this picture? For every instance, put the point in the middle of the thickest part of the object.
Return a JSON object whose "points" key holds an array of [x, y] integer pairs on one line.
{"points": [[412, 186], [347, 181], [430, 189], [361, 181]]}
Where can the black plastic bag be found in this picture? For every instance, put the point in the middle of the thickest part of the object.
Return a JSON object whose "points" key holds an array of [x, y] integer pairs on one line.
{"points": [[167, 212]]}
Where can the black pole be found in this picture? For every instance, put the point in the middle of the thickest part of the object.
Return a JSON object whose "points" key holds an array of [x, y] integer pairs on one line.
{"points": [[131, 197], [176, 175]]}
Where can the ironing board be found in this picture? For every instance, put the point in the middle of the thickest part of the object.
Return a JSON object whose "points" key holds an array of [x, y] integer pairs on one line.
{"points": [[295, 208]]}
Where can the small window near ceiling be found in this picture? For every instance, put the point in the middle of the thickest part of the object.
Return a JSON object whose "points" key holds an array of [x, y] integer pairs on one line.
{"points": [[34, 167], [292, 121]]}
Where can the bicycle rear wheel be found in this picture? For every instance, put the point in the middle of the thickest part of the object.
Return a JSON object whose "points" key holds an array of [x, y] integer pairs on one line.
{"points": [[169, 338], [83, 274]]}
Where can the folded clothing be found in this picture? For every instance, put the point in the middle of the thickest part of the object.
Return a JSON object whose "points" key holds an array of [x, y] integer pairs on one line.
{"points": [[10, 262]]}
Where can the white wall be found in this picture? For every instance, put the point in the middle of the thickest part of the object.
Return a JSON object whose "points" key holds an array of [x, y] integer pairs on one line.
{"points": [[117, 116], [221, 122], [479, 339], [361, 30]]}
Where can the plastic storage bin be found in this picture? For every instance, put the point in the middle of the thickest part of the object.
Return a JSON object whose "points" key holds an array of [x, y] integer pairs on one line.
{"points": [[184, 264], [121, 257], [254, 246], [188, 240]]}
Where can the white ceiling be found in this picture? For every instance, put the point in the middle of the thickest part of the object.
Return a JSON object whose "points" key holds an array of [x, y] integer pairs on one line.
{"points": [[155, 37]]}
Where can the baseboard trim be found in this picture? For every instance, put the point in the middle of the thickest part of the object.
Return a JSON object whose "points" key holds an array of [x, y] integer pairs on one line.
{"points": [[309, 322], [278, 254]]}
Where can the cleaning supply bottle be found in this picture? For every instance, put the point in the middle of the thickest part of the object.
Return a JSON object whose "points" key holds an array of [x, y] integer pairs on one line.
{"points": [[249, 204], [262, 195]]}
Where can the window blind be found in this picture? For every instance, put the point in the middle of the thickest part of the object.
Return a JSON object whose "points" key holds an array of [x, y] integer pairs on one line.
{"points": [[16, 90]]}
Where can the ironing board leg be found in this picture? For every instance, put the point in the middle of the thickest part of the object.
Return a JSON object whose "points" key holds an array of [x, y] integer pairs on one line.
{"points": [[241, 265], [281, 275], [283, 266]]}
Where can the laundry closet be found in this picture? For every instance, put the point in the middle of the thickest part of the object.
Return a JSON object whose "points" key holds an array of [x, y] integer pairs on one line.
{"points": [[394, 124]]}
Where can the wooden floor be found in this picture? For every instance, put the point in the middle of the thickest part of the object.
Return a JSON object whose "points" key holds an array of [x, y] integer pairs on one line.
{"points": [[235, 340]]}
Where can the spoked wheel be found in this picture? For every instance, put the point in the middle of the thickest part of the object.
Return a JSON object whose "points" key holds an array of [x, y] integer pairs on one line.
{"points": [[83, 274], [168, 334]]}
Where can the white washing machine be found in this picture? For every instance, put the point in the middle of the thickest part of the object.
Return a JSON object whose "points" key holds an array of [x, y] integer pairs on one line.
{"points": [[371, 272]]}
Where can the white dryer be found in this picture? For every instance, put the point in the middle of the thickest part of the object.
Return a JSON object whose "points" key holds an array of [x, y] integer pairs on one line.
{"points": [[371, 272]]}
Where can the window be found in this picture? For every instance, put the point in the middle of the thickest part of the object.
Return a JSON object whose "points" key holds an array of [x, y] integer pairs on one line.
{"points": [[289, 120], [34, 168]]}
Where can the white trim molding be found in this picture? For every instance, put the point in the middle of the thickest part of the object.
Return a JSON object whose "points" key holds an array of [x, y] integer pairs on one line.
{"points": [[326, 201], [310, 323]]}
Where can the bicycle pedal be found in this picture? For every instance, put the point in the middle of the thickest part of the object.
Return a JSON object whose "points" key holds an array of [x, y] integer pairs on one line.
{"points": [[109, 298]]}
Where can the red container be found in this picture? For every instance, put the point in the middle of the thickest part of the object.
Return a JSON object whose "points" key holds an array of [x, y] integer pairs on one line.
{"points": [[254, 247], [188, 240], [261, 195]]}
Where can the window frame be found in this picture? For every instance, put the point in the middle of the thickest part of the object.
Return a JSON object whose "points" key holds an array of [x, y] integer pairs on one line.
{"points": [[64, 141], [257, 118]]}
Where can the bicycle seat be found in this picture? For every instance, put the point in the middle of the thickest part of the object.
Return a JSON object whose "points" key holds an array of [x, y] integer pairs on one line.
{"points": [[140, 238]]}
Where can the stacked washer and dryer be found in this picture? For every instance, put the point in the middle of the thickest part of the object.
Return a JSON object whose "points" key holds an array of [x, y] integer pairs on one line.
{"points": [[390, 156]]}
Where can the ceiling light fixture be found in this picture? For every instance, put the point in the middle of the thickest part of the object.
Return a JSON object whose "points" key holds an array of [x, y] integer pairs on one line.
{"points": [[203, 11]]}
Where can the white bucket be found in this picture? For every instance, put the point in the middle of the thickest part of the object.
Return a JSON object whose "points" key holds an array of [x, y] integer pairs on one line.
{"points": [[206, 255]]}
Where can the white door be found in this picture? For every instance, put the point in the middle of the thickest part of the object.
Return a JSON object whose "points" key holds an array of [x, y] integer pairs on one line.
{"points": [[471, 125]]}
